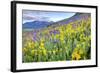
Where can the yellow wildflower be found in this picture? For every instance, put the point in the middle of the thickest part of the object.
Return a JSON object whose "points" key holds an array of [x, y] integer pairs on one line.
{"points": [[57, 36], [42, 40], [40, 51], [78, 29], [81, 51], [81, 36], [41, 45], [32, 52], [44, 52], [76, 56], [54, 51], [25, 50], [30, 44], [78, 45], [61, 37]]}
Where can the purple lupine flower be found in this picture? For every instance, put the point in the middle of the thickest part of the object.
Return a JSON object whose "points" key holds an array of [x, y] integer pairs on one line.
{"points": [[56, 32], [50, 32], [34, 36]]}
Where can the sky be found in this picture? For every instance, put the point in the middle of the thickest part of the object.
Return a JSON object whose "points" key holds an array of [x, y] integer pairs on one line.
{"points": [[32, 15]]}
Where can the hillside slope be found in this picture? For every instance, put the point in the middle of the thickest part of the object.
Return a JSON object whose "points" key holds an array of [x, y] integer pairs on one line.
{"points": [[76, 17]]}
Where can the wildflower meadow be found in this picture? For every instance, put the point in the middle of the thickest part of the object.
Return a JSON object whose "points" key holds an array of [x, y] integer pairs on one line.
{"points": [[58, 42]]}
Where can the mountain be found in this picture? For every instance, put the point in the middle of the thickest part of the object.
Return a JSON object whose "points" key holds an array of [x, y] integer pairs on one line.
{"points": [[42, 24], [77, 16], [36, 24]]}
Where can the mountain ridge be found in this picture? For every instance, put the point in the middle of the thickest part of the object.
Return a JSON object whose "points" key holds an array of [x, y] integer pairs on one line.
{"points": [[36, 24], [42, 24], [77, 16]]}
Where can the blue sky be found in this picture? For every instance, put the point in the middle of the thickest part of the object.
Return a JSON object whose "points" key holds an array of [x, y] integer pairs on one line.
{"points": [[31, 15]]}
